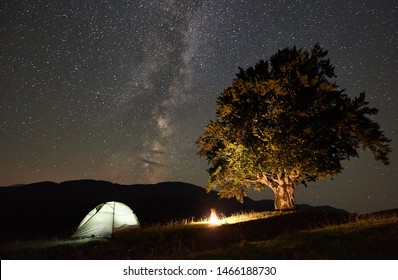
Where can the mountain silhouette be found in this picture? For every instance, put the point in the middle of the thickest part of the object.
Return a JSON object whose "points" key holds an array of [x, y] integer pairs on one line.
{"points": [[48, 209]]}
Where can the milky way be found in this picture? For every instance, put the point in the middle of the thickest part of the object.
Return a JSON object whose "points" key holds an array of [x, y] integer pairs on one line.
{"points": [[120, 90]]}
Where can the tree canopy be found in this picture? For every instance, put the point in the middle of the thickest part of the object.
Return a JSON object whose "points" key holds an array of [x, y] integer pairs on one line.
{"points": [[283, 122]]}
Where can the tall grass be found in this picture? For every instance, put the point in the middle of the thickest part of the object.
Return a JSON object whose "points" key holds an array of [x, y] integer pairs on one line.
{"points": [[239, 217]]}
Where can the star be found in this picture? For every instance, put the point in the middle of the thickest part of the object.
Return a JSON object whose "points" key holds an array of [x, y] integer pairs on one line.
{"points": [[120, 91]]}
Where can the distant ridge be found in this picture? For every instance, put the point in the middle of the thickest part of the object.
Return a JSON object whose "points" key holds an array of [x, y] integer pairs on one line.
{"points": [[48, 208]]}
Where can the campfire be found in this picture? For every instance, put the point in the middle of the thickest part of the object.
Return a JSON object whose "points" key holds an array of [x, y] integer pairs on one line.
{"points": [[214, 219], [218, 219]]}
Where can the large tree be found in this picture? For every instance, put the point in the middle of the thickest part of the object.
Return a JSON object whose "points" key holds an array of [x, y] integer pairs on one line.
{"points": [[284, 122]]}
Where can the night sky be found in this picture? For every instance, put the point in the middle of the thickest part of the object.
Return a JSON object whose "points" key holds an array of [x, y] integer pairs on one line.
{"points": [[120, 90]]}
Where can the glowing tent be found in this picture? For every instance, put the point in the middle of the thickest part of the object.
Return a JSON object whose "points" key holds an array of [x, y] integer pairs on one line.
{"points": [[107, 219]]}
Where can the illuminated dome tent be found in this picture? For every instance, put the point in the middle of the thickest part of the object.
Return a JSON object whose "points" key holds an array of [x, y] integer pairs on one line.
{"points": [[107, 219]]}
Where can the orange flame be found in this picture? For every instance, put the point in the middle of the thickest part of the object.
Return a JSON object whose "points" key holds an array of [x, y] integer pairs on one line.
{"points": [[213, 217]]}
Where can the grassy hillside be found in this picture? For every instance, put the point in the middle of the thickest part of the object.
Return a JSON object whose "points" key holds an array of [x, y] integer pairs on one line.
{"points": [[307, 234], [374, 237]]}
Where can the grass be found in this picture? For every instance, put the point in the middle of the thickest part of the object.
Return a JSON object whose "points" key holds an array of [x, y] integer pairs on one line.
{"points": [[239, 217], [374, 237], [265, 235]]}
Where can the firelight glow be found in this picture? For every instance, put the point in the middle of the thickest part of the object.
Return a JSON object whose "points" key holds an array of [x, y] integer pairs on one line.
{"points": [[214, 220], [219, 219]]}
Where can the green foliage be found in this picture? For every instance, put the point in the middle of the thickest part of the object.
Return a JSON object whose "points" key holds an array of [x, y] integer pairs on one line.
{"points": [[284, 121]]}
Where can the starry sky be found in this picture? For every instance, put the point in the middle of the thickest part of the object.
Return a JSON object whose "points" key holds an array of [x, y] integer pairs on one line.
{"points": [[120, 90]]}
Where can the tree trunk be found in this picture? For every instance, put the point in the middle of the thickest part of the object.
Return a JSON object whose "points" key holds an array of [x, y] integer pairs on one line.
{"points": [[284, 197]]}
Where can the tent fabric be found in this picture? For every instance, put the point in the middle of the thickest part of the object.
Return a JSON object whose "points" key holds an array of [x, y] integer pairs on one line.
{"points": [[106, 219]]}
